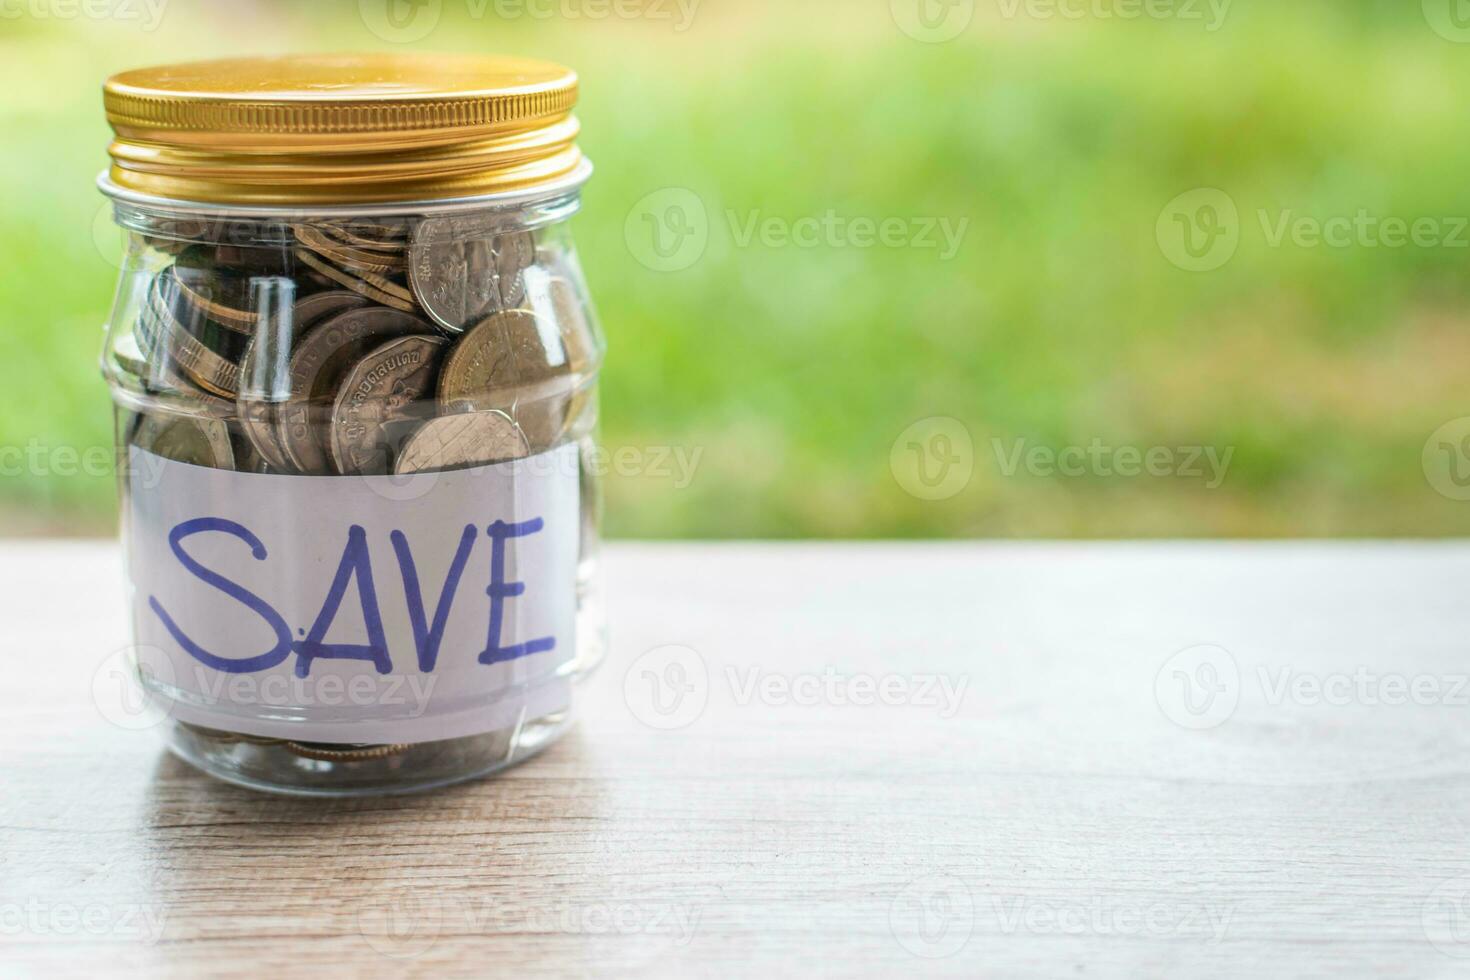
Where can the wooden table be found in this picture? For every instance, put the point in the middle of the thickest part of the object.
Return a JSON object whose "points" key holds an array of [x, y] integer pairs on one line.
{"points": [[1096, 795]]}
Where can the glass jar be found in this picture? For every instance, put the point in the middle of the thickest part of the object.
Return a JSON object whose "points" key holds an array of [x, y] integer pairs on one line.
{"points": [[355, 365]]}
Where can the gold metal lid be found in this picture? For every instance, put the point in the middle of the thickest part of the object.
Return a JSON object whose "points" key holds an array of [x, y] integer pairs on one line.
{"points": [[342, 129]]}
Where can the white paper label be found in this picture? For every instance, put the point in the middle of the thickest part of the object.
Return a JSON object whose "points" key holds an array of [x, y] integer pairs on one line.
{"points": [[356, 609]]}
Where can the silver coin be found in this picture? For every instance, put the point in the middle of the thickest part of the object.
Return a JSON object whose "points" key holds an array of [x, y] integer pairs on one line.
{"points": [[453, 442], [390, 385], [321, 359], [186, 439], [461, 271], [513, 362]]}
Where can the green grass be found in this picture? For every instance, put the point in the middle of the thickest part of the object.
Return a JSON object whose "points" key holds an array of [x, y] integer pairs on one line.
{"points": [[793, 370]]}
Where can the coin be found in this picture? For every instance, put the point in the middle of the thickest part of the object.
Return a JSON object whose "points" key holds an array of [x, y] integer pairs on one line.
{"points": [[462, 273], [572, 323], [506, 351], [375, 288], [320, 360], [196, 359], [348, 257], [554, 297], [458, 441], [513, 362], [217, 291], [186, 439], [345, 753], [389, 234], [388, 385], [266, 365]]}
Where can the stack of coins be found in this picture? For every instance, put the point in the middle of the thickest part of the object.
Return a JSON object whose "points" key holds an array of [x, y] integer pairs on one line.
{"points": [[359, 348], [363, 348]]}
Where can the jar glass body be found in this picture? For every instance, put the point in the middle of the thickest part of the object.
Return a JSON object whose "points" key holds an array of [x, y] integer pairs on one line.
{"points": [[384, 354]]}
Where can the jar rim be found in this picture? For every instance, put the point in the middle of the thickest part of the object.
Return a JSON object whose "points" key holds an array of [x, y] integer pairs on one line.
{"points": [[569, 184]]}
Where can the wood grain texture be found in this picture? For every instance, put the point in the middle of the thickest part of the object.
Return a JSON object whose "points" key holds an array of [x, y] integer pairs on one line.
{"points": [[1057, 822]]}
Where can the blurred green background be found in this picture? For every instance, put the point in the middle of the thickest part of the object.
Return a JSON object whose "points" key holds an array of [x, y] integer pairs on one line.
{"points": [[1066, 315]]}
